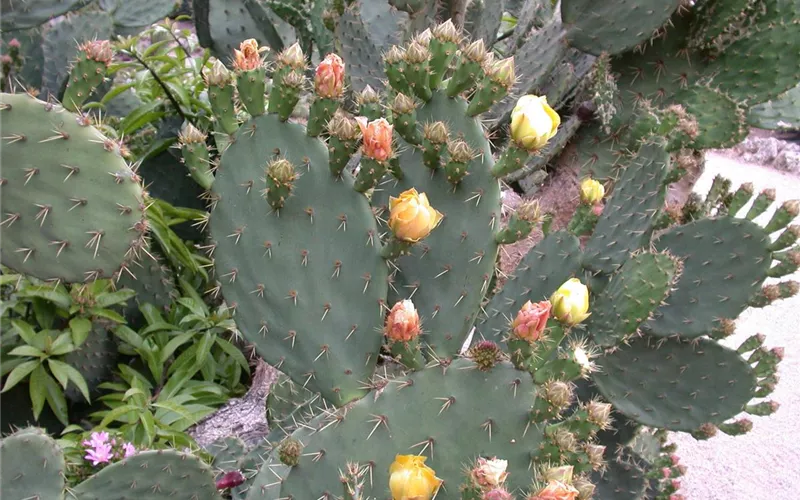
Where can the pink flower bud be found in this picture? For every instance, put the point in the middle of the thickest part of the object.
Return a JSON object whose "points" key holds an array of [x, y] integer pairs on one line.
{"points": [[377, 142], [676, 484], [230, 480], [497, 494], [675, 459], [329, 79], [598, 209], [531, 320], [13, 43], [402, 324]]}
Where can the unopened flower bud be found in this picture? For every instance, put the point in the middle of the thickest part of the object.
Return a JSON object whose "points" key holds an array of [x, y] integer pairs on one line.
{"points": [[562, 474], [190, 134], [675, 459], [571, 302], [281, 171], [411, 217], [599, 413], [329, 77], [533, 122], [14, 43], [230, 479], [411, 479], [217, 74], [403, 104], [423, 38], [595, 453], [497, 494], [98, 50], [394, 55], [476, 51], [343, 126], [558, 393], [367, 96], [436, 132], [460, 151], [503, 73], [402, 323], [556, 490], [792, 207], [292, 57], [531, 321], [585, 488], [417, 53], [377, 138], [294, 80], [676, 484], [666, 472], [485, 354], [591, 191], [769, 194], [289, 451], [446, 32], [530, 211]]}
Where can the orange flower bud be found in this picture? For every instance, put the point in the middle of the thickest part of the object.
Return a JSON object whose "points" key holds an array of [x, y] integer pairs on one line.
{"points": [[248, 56], [402, 323], [329, 79], [556, 490], [531, 320], [377, 138]]}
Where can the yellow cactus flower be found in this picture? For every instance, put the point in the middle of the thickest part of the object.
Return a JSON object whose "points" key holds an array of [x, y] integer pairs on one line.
{"points": [[411, 217], [571, 302], [592, 191], [533, 122], [411, 479]]}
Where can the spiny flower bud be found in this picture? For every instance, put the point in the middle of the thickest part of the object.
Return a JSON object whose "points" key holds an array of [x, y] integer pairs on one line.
{"points": [[402, 323], [98, 50], [292, 57], [281, 171], [769, 194], [489, 473], [599, 414], [564, 440], [563, 474], [558, 394], [585, 488], [530, 211], [595, 453], [503, 73], [771, 292], [485, 354], [329, 77], [289, 451], [394, 55], [460, 151], [792, 207], [591, 191], [726, 327], [747, 187], [343, 126], [556, 490], [217, 74], [294, 80], [367, 96], [423, 38], [497, 494], [377, 138], [403, 104], [436, 132], [190, 134], [476, 51], [417, 53], [530, 321], [446, 32], [248, 56]]}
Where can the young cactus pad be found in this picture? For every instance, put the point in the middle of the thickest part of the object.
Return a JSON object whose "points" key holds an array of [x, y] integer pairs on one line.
{"points": [[306, 281], [72, 208]]}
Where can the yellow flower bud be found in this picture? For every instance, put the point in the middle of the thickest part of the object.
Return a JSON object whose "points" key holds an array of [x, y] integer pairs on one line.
{"points": [[411, 217], [411, 479], [591, 191], [571, 302], [533, 122]]}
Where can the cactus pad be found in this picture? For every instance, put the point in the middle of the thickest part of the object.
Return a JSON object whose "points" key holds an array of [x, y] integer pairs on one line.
{"points": [[467, 413], [72, 208], [545, 268], [631, 297], [720, 119], [449, 272], [31, 13], [613, 27], [363, 59], [627, 220], [675, 384], [95, 359], [724, 263], [155, 475], [33, 466], [307, 282], [780, 113]]}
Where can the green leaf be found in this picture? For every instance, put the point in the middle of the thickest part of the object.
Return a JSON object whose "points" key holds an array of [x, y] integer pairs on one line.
{"points": [[152, 314], [7, 279], [57, 369], [149, 426], [173, 344], [156, 327], [118, 412], [58, 297], [19, 373], [129, 336], [181, 410], [204, 347], [27, 350], [80, 328], [25, 331], [132, 392], [55, 399], [44, 311], [113, 298], [37, 386], [115, 91], [108, 314], [62, 345], [72, 375], [234, 353]]}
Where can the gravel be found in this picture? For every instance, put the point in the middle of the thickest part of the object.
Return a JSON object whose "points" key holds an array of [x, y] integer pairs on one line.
{"points": [[764, 462]]}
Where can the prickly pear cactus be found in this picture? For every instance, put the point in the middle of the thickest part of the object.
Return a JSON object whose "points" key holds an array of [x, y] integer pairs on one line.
{"points": [[72, 207]]}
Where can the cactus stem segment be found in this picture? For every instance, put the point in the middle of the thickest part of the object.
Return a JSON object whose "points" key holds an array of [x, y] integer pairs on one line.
{"points": [[408, 354], [512, 159], [369, 174], [321, 112], [395, 248]]}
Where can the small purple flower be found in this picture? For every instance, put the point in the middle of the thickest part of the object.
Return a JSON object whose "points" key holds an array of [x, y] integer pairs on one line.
{"points": [[101, 453], [97, 439], [128, 450]]}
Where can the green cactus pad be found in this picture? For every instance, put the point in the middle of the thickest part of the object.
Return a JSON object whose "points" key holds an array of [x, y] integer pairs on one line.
{"points": [[466, 413], [724, 263], [363, 58], [227, 452], [716, 17], [288, 402], [223, 24], [449, 272], [307, 282], [60, 44], [778, 114], [613, 27], [136, 13], [623, 479], [641, 284], [675, 384], [599, 155], [155, 475], [627, 220], [720, 119], [72, 209], [153, 282], [95, 359], [545, 268], [33, 466], [31, 13]]}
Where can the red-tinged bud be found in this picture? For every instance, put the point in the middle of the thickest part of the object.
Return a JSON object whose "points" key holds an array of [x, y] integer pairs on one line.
{"points": [[778, 352], [230, 480], [531, 321], [402, 323], [14, 43], [98, 50], [676, 484], [377, 138], [497, 494], [329, 79], [675, 459], [489, 473], [666, 472]]}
